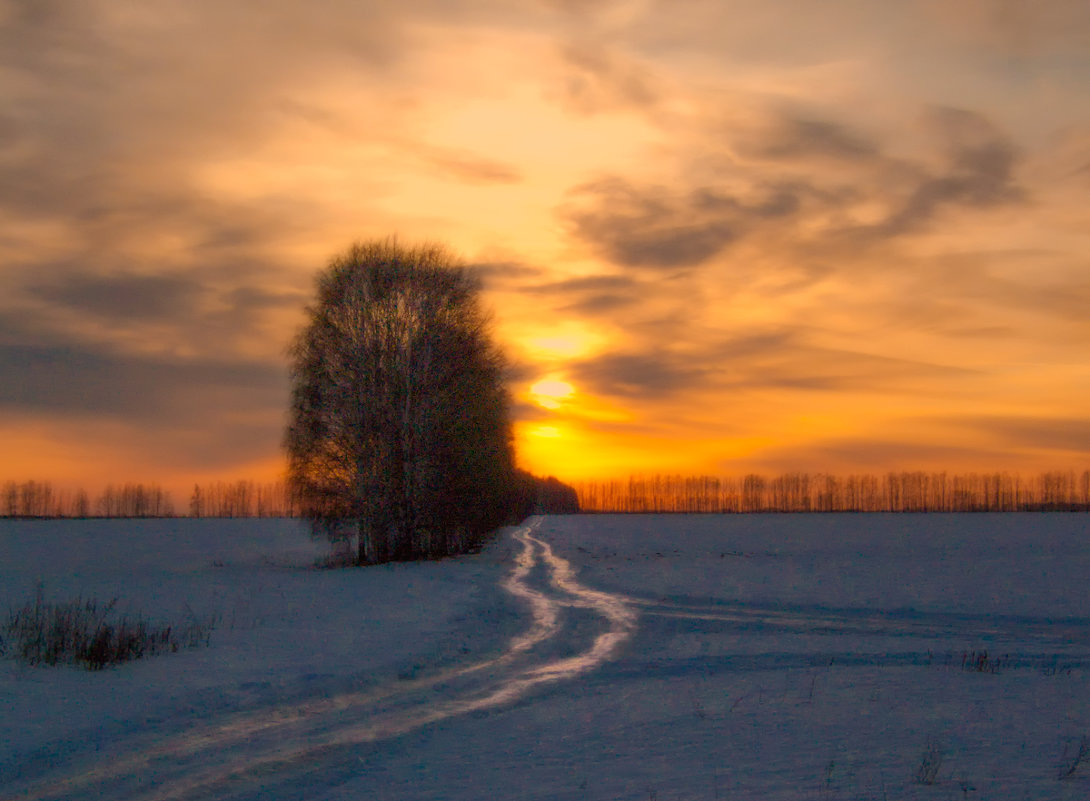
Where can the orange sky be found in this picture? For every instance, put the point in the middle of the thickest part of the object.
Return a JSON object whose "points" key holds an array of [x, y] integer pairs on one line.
{"points": [[718, 236]]}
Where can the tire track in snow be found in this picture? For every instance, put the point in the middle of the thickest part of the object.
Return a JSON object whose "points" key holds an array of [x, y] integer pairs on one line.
{"points": [[869, 622], [296, 736]]}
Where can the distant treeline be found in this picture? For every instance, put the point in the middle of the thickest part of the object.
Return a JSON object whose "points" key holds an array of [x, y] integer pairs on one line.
{"points": [[821, 492], [227, 499], [212, 499]]}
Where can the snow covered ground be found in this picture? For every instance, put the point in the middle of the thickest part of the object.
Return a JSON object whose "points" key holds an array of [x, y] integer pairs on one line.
{"points": [[585, 657]]}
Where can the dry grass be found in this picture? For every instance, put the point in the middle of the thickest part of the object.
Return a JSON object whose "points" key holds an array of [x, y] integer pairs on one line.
{"points": [[92, 635]]}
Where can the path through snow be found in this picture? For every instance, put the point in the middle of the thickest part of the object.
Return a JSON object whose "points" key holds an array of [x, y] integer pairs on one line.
{"points": [[247, 753]]}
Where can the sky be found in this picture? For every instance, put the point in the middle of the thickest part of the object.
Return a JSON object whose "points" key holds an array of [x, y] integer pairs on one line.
{"points": [[716, 237]]}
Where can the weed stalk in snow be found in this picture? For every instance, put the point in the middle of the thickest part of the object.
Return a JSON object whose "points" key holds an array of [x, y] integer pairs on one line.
{"points": [[930, 762], [1071, 765]]}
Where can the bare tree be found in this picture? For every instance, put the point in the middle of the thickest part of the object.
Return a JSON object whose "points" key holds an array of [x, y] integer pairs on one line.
{"points": [[399, 429]]}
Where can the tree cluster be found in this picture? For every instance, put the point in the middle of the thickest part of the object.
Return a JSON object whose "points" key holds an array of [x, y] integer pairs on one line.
{"points": [[41, 499], [241, 499], [212, 499], [528, 495], [822, 492], [134, 500], [532, 495], [399, 431]]}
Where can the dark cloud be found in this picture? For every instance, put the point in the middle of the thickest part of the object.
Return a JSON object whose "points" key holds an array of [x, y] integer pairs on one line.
{"points": [[176, 413], [978, 171], [77, 381], [602, 303], [661, 373], [124, 295], [500, 275], [781, 359], [656, 228], [799, 207], [791, 137], [647, 376]]}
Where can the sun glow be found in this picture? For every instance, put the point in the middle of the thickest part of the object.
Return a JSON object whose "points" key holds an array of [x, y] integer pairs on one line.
{"points": [[551, 393], [561, 346], [567, 340]]}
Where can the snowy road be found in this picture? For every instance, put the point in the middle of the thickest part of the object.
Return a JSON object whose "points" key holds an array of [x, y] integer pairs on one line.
{"points": [[245, 755]]}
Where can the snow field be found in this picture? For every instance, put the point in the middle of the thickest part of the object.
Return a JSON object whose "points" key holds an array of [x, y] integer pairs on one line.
{"points": [[585, 657]]}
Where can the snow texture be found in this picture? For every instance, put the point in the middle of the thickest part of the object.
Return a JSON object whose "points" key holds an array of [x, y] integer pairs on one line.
{"points": [[584, 657]]}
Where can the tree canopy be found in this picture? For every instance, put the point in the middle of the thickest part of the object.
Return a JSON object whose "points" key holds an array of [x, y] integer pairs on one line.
{"points": [[399, 429]]}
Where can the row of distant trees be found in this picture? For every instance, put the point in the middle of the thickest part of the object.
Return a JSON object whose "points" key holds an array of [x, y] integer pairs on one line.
{"points": [[211, 499], [527, 495], [823, 492], [790, 492]]}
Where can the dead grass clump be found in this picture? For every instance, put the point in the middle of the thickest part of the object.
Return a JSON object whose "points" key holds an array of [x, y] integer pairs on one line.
{"points": [[92, 635]]}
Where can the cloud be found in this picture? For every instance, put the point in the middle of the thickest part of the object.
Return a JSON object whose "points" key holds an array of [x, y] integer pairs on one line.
{"points": [[661, 229], [124, 295], [599, 79], [793, 137], [167, 330], [600, 304], [74, 380], [643, 376], [502, 274], [1066, 434], [782, 359], [978, 173], [646, 226], [592, 295], [117, 129], [808, 190], [971, 164]]}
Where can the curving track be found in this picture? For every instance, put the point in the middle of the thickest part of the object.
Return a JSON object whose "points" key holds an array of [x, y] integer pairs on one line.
{"points": [[245, 755]]}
